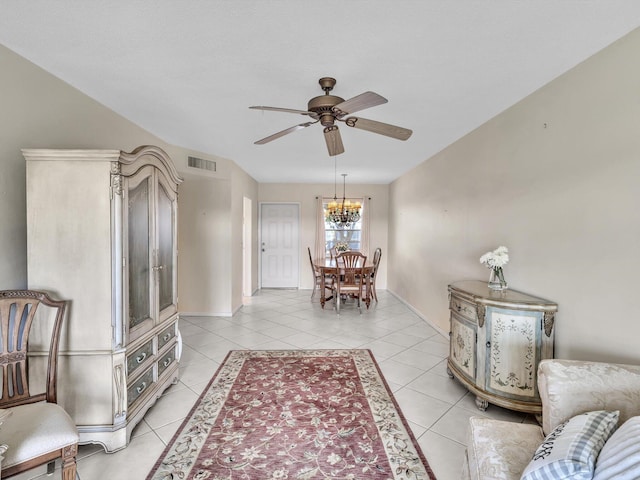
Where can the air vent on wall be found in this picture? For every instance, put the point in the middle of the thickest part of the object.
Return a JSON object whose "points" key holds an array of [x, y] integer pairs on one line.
{"points": [[202, 164]]}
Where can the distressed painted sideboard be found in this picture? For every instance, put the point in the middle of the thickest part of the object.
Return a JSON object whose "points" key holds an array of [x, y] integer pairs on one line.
{"points": [[497, 339]]}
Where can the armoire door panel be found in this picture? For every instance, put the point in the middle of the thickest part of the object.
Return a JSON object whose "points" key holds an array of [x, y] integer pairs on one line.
{"points": [[139, 230]]}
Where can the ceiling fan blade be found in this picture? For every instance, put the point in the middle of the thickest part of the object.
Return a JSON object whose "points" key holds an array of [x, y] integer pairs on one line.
{"points": [[334, 140], [288, 110], [283, 133], [379, 127], [359, 102]]}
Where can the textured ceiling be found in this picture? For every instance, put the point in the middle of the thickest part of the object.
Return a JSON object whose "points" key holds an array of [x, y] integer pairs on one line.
{"points": [[186, 70]]}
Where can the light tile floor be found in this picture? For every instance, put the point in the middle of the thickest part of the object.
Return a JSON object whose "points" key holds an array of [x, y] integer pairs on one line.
{"points": [[411, 354]]}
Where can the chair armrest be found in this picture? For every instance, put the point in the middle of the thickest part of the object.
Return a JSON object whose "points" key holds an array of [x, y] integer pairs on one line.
{"points": [[570, 387]]}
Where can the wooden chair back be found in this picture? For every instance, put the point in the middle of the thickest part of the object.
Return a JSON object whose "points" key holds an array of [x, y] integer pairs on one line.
{"points": [[351, 268], [38, 430], [351, 259], [18, 309], [377, 255], [313, 267], [351, 277]]}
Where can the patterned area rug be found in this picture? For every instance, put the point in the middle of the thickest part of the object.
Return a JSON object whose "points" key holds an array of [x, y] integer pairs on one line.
{"points": [[294, 414]]}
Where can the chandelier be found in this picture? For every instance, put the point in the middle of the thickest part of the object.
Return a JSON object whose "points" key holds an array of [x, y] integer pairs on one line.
{"points": [[342, 214]]}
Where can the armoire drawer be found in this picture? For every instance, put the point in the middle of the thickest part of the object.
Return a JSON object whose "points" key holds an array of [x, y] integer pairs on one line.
{"points": [[138, 357], [166, 360], [137, 388], [166, 335]]}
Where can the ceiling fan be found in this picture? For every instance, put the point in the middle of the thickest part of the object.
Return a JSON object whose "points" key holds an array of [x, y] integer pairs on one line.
{"points": [[329, 109]]}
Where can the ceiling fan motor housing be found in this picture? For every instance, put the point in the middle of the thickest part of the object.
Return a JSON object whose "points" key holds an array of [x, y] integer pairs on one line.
{"points": [[323, 106]]}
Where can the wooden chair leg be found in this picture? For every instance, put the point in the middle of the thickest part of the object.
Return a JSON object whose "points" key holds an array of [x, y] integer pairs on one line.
{"points": [[69, 466]]}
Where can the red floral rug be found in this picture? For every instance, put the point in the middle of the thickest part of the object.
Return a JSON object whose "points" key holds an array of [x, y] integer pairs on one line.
{"points": [[294, 414]]}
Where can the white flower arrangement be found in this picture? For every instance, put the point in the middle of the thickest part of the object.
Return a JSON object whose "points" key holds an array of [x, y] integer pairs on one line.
{"points": [[495, 261], [342, 246], [498, 258]]}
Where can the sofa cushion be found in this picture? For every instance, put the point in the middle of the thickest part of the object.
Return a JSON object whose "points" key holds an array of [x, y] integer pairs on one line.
{"points": [[620, 457], [570, 387], [499, 450], [570, 451]]}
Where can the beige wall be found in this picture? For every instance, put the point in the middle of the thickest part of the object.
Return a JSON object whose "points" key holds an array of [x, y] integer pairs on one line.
{"points": [[40, 111], [555, 179], [305, 195]]}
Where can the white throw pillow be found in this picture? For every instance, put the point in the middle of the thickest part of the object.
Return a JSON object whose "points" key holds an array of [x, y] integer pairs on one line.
{"points": [[620, 457], [570, 451]]}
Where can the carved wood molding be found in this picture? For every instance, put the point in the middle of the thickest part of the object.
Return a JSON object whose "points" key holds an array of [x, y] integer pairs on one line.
{"points": [[13, 357], [482, 310], [119, 384], [116, 178]]}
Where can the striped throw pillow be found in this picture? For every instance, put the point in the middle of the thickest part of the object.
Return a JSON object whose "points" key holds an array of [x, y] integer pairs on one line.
{"points": [[570, 451], [619, 459]]}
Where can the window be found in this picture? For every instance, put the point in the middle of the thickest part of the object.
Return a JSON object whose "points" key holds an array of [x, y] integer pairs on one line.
{"points": [[351, 236]]}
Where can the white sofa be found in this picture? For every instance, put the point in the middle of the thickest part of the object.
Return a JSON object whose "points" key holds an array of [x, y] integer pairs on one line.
{"points": [[499, 450]]}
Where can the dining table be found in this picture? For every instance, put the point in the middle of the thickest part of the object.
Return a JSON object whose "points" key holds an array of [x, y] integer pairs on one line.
{"points": [[331, 266]]}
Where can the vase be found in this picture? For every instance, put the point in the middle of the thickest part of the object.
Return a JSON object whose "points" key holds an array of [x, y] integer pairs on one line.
{"points": [[496, 279]]}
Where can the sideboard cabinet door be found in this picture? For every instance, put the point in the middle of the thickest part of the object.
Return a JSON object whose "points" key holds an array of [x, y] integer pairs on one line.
{"points": [[497, 339], [513, 353], [102, 233]]}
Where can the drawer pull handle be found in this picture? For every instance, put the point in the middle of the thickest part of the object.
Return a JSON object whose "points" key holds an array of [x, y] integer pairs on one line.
{"points": [[488, 344], [167, 362], [166, 337], [140, 358], [141, 388]]}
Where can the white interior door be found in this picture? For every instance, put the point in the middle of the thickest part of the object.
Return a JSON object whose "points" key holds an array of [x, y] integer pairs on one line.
{"points": [[279, 223]]}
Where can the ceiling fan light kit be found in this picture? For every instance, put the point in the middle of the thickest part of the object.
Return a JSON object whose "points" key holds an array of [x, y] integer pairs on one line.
{"points": [[328, 109]]}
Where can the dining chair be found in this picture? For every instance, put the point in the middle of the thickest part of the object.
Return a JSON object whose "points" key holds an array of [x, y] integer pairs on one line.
{"points": [[377, 255], [351, 280], [36, 430], [317, 277]]}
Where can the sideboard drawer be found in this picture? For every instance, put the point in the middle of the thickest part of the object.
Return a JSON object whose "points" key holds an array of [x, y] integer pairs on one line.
{"points": [[463, 308], [141, 385], [166, 335], [139, 356]]}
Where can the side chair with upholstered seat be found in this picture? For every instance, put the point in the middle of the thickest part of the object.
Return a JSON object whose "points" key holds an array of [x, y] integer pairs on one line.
{"points": [[36, 430], [317, 277], [351, 280]]}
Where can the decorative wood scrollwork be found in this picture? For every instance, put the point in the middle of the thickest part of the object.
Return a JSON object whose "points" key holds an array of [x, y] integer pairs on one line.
{"points": [[548, 322], [118, 379], [13, 357], [116, 178], [481, 313], [116, 184]]}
